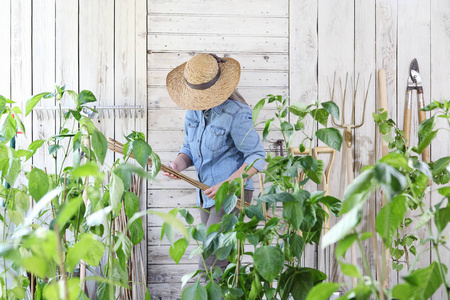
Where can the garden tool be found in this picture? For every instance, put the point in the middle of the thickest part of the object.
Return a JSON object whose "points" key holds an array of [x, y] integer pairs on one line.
{"points": [[326, 174], [384, 151], [414, 83], [348, 136]]}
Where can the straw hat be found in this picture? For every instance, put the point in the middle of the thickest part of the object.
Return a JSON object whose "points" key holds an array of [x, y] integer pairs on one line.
{"points": [[203, 82]]}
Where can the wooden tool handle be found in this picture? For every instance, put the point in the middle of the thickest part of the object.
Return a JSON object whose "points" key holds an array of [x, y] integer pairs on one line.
{"points": [[407, 117], [422, 117], [382, 86]]}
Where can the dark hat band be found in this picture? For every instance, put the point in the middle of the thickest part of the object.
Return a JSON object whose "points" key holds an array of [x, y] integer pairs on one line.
{"points": [[208, 84]]}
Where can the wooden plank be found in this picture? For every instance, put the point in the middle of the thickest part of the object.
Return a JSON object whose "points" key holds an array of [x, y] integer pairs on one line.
{"points": [[5, 50], [211, 25], [218, 43], [44, 77], [96, 71], [172, 119], [364, 143], [140, 35], [337, 33], [159, 98], [303, 48], [417, 12], [66, 54], [248, 78], [440, 69], [21, 63], [264, 8], [386, 57], [168, 61]]}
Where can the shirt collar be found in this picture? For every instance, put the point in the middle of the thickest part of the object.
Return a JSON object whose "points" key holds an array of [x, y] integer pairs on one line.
{"points": [[219, 108]]}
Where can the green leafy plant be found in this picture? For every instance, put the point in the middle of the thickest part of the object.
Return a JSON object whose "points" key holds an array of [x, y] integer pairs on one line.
{"points": [[70, 219], [404, 179], [272, 269]]}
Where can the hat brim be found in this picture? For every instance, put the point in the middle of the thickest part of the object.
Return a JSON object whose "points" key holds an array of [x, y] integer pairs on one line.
{"points": [[192, 99]]}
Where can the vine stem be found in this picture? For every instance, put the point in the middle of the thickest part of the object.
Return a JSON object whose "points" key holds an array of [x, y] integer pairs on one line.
{"points": [[435, 245], [366, 266]]}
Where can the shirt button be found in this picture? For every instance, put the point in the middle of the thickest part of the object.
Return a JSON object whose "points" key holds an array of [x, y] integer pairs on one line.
{"points": [[199, 155]]}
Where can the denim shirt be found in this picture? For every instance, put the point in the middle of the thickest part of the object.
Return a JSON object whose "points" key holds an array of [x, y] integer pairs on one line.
{"points": [[219, 141]]}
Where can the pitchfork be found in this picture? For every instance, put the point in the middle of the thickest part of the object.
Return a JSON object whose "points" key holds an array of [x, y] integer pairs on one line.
{"points": [[348, 135]]}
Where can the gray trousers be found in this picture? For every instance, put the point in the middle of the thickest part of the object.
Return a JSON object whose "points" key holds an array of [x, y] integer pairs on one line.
{"points": [[214, 217]]}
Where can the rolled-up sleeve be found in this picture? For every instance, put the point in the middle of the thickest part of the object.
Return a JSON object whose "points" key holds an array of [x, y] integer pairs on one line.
{"points": [[247, 140], [186, 149]]}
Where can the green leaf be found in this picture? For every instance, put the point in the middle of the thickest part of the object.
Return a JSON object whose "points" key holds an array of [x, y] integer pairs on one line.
{"points": [[141, 151], [269, 261], [177, 250], [228, 222], [442, 217], [293, 213], [267, 128], [390, 218], [350, 270], [229, 203], [33, 101], [257, 109], [299, 109], [131, 204], [297, 244], [330, 136], [88, 169], [194, 292], [116, 191], [440, 165], [8, 129], [2, 104], [136, 231], [342, 228], [199, 234], [100, 145], [302, 285], [331, 108], [320, 115], [221, 194], [426, 141], [358, 191], [53, 148], [37, 183], [280, 197], [421, 283], [392, 181], [87, 248], [69, 209], [323, 291], [214, 291], [287, 128], [84, 97], [34, 146], [344, 244], [426, 128], [156, 164]]}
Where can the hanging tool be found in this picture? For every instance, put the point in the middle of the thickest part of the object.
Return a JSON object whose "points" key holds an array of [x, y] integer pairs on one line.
{"points": [[414, 83], [348, 136]]}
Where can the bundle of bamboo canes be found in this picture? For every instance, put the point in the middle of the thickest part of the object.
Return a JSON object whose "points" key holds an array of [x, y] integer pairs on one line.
{"points": [[118, 148]]}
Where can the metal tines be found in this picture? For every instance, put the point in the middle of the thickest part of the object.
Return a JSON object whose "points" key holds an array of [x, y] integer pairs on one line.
{"points": [[99, 112], [348, 135]]}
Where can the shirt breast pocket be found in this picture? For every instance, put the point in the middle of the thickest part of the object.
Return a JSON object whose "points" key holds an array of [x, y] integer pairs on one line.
{"points": [[215, 138], [191, 129]]}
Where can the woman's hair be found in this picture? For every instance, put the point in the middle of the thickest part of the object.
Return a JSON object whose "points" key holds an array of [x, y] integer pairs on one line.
{"points": [[238, 97]]}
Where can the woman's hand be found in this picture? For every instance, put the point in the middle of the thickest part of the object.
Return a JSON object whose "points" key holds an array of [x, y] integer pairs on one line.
{"points": [[175, 167], [211, 192]]}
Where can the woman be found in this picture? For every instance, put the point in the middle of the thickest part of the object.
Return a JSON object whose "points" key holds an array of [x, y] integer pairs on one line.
{"points": [[219, 137]]}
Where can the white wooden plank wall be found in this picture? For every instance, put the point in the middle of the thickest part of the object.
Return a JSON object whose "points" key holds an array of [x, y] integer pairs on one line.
{"points": [[256, 34], [292, 48], [94, 45]]}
